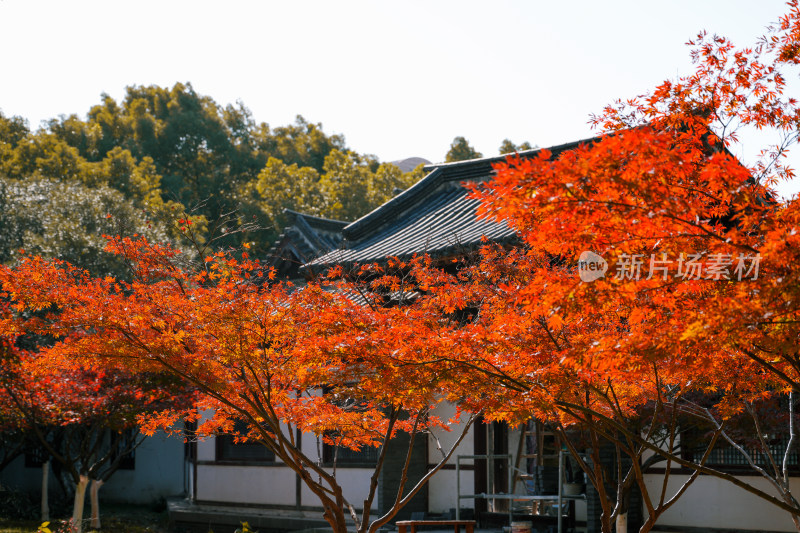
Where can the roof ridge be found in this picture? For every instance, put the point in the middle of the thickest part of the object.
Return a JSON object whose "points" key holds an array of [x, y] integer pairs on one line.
{"points": [[294, 214], [438, 174], [502, 157], [377, 216]]}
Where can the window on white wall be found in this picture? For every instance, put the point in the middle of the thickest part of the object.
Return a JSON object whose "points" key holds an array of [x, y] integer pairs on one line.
{"points": [[366, 456], [228, 450]]}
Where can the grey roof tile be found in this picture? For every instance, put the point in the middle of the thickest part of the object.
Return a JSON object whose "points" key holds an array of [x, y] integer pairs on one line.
{"points": [[304, 238], [434, 216], [445, 224]]}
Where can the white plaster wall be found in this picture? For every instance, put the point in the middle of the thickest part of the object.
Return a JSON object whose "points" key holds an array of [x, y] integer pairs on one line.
{"points": [[715, 503], [16, 477], [158, 473], [206, 449], [311, 446], [442, 493], [355, 487], [447, 438], [442, 488], [274, 485]]}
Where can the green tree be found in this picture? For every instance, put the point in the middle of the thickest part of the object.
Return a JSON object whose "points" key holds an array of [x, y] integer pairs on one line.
{"points": [[344, 186], [388, 180], [42, 155], [172, 149], [137, 180], [509, 147], [186, 137], [460, 150], [207, 158], [353, 185], [301, 143], [348, 188], [167, 144], [12, 130], [67, 220], [281, 186]]}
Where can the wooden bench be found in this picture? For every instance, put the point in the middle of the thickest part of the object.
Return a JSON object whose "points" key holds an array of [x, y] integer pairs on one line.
{"points": [[469, 525]]}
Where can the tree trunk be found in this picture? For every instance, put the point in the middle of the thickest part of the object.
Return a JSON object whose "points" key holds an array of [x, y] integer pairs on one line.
{"points": [[787, 497], [606, 524], [77, 509], [622, 523], [45, 485], [648, 525], [96, 484]]}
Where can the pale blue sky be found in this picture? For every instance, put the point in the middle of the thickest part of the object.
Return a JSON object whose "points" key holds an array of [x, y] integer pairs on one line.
{"points": [[398, 79]]}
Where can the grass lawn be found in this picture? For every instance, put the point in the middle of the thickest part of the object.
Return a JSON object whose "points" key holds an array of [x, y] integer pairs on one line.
{"points": [[114, 518]]}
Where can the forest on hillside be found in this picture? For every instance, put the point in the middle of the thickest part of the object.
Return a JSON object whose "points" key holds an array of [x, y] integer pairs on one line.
{"points": [[167, 162]]}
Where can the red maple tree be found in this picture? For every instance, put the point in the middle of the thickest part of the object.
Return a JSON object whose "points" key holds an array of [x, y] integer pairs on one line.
{"points": [[83, 415], [656, 265], [259, 353]]}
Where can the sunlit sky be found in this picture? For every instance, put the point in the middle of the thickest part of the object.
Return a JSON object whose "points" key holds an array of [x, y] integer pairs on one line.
{"points": [[397, 79]]}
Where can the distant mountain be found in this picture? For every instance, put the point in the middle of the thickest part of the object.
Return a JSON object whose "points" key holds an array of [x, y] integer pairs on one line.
{"points": [[410, 163]]}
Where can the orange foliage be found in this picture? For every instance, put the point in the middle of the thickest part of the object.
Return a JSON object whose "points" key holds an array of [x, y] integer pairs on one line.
{"points": [[257, 352]]}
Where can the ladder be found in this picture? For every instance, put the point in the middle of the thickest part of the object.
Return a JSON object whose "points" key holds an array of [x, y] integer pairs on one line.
{"points": [[538, 444]]}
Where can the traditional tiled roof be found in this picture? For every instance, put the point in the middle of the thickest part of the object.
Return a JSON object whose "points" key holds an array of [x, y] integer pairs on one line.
{"points": [[304, 238], [445, 225], [435, 216]]}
